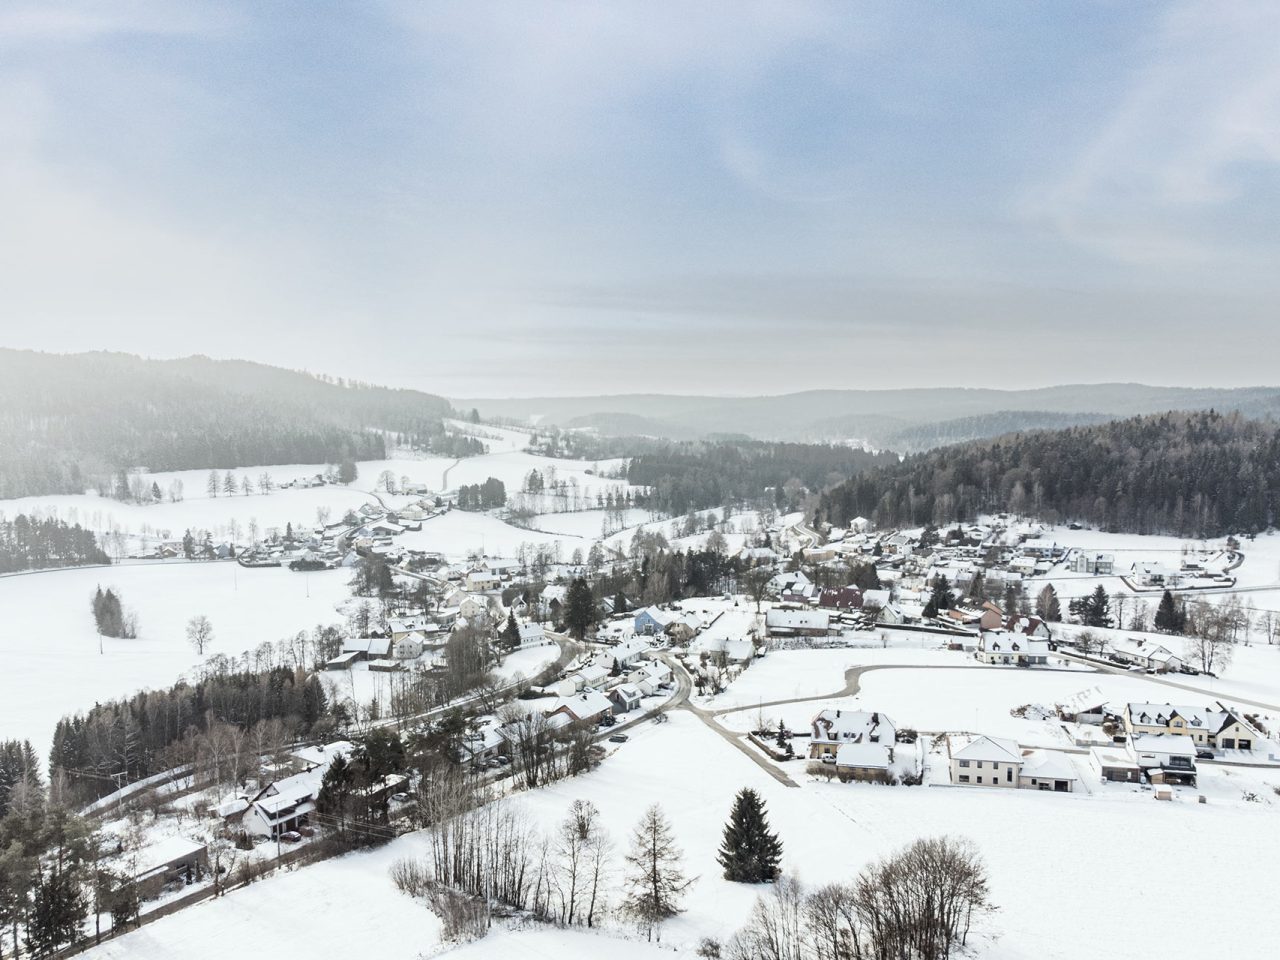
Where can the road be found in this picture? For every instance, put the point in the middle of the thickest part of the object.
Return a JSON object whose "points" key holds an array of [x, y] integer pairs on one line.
{"points": [[1163, 679], [681, 701]]}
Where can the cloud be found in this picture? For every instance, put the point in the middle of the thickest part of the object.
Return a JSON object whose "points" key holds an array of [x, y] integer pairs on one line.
{"points": [[78, 21], [1193, 131]]}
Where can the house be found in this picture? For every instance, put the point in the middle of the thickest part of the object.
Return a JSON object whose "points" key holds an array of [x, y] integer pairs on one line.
{"points": [[651, 621], [626, 697], [831, 728], [591, 677], [586, 707], [385, 528], [168, 861], [650, 676], [364, 648], [1145, 654], [282, 805], [1098, 564], [1220, 727], [409, 646], [1028, 626], [1012, 648], [992, 617], [867, 762], [799, 593], [841, 598], [1116, 764], [1039, 547], [475, 607], [987, 761], [1047, 770], [531, 635], [401, 627], [798, 623], [899, 545], [482, 580], [875, 599], [626, 654], [1166, 758]]}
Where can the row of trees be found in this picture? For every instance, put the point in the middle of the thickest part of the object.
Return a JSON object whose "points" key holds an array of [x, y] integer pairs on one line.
{"points": [[1190, 474], [916, 905], [121, 741], [30, 543]]}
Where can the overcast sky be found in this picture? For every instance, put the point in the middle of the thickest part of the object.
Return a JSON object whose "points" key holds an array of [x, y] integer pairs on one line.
{"points": [[495, 199]]}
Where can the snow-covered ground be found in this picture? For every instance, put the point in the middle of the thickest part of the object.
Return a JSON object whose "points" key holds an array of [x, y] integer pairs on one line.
{"points": [[49, 643], [1045, 876]]}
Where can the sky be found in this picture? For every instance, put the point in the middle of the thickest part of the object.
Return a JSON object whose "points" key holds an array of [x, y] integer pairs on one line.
{"points": [[552, 198]]}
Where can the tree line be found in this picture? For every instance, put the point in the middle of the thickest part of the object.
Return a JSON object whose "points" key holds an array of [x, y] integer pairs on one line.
{"points": [[68, 422], [30, 543], [482, 496], [689, 476], [1190, 474], [122, 741]]}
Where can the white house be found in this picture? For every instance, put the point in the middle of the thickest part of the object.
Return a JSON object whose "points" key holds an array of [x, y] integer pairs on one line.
{"points": [[1146, 654], [628, 653], [999, 647], [1166, 758], [532, 635], [987, 761], [791, 623], [409, 646]]}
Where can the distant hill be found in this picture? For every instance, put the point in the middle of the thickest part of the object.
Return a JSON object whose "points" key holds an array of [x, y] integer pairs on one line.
{"points": [[1198, 474], [903, 420], [68, 420]]}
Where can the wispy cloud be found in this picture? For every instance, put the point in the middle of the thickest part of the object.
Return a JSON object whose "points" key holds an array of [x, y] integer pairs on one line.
{"points": [[1196, 125]]}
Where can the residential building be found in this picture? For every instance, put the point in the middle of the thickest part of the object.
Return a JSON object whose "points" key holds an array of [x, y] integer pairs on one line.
{"points": [[832, 728]]}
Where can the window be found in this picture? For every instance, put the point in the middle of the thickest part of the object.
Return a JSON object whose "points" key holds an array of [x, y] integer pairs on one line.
{"points": [[1008, 774], [979, 779], [979, 764], [963, 778], [964, 763]]}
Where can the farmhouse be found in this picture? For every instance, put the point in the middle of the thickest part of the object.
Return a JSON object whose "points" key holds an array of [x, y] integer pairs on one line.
{"points": [[832, 728], [532, 635]]}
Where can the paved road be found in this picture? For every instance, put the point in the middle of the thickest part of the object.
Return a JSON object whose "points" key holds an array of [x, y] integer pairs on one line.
{"points": [[681, 700], [1162, 678]]}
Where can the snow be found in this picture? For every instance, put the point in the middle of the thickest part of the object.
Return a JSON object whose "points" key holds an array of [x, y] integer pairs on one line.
{"points": [[49, 643], [829, 832]]}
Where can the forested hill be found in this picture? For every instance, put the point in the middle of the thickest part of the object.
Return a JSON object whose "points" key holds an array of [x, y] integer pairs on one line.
{"points": [[68, 420], [1188, 474]]}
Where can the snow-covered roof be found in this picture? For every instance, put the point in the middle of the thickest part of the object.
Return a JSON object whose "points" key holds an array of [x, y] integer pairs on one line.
{"points": [[165, 852], [589, 703], [1168, 744], [1048, 765], [994, 749], [853, 725], [797, 619], [863, 755]]}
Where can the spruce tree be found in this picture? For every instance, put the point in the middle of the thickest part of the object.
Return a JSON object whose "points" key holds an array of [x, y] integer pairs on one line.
{"points": [[579, 609], [511, 632], [1169, 618], [750, 852]]}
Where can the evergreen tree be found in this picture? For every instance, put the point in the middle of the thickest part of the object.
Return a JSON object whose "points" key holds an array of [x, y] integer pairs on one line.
{"points": [[511, 632], [579, 609], [347, 471], [1095, 609], [1170, 618], [212, 485], [749, 852]]}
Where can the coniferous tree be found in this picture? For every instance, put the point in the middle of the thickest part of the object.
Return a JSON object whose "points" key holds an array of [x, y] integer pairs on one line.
{"points": [[655, 879], [579, 609], [1170, 618], [749, 852], [511, 632]]}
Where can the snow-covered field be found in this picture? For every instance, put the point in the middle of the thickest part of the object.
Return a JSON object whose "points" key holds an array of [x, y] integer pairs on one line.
{"points": [[49, 644], [1048, 856]]}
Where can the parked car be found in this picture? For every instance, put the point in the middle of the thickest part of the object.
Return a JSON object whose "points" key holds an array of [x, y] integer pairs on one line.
{"points": [[291, 836], [1204, 753], [618, 738], [504, 760], [399, 797]]}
